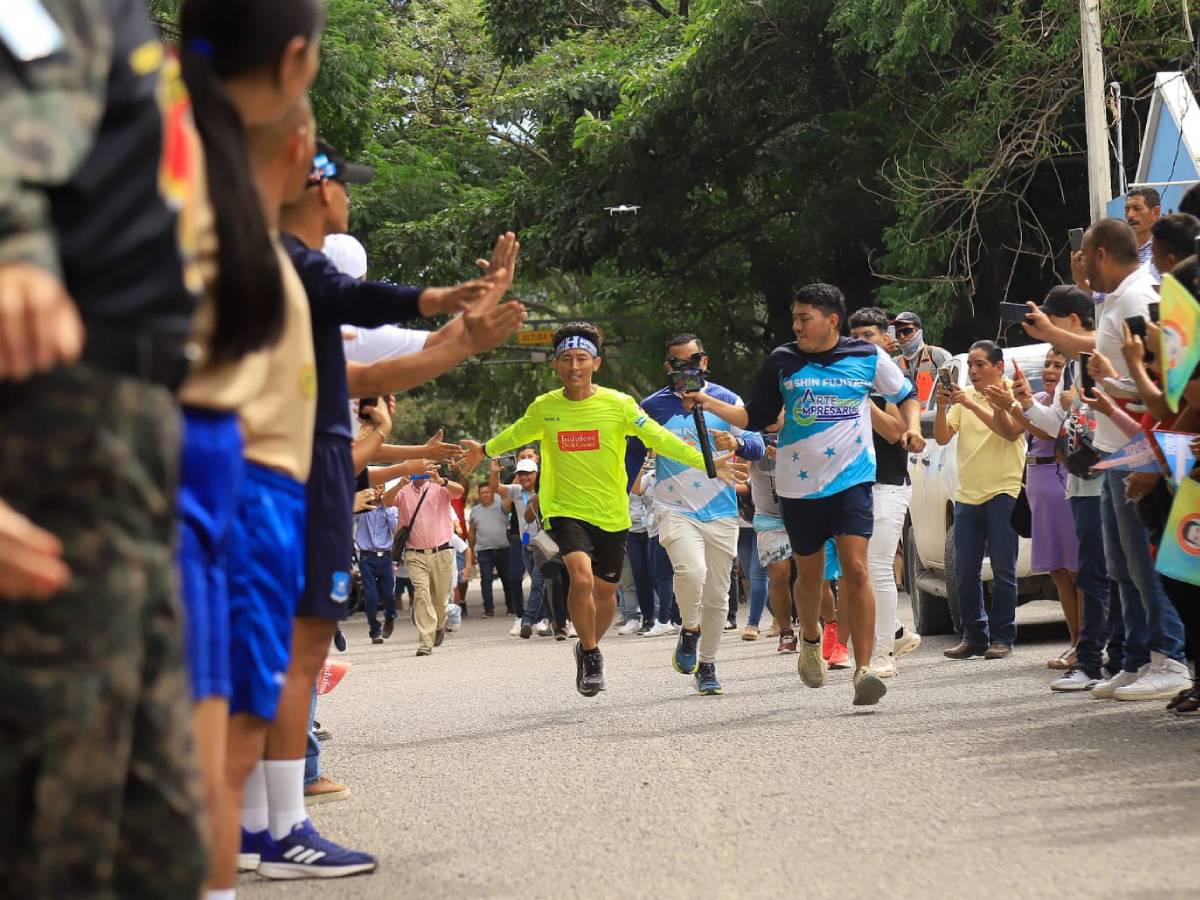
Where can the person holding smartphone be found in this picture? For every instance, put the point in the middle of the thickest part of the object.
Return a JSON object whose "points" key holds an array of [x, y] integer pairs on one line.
{"points": [[1072, 311], [1153, 664], [991, 462]]}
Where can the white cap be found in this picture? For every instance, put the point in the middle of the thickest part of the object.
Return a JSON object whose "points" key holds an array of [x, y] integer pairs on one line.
{"points": [[347, 254], [526, 465]]}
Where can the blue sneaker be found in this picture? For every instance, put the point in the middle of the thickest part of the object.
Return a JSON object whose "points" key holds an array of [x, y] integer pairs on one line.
{"points": [[305, 854], [253, 843], [706, 679], [686, 657]]}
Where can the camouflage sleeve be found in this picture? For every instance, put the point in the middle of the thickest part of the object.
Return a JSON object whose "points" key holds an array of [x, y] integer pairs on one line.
{"points": [[51, 109]]}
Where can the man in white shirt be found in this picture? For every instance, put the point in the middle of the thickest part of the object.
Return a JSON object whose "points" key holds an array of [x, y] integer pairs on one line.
{"points": [[1154, 667]]}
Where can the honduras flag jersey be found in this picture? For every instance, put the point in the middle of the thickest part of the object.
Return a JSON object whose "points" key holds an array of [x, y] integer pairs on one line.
{"points": [[680, 487], [826, 443]]}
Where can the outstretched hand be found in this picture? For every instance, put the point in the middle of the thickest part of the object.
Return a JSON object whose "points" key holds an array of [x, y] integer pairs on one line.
{"points": [[473, 457], [488, 328], [437, 449], [31, 563], [726, 464]]}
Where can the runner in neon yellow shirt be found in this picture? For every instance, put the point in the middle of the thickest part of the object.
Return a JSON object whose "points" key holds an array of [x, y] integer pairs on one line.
{"points": [[584, 494]]}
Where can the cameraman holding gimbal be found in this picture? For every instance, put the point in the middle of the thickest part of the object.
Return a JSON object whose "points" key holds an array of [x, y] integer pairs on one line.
{"points": [[697, 518]]}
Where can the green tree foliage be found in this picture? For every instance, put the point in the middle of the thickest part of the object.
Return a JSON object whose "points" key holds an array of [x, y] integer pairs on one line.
{"points": [[922, 155]]}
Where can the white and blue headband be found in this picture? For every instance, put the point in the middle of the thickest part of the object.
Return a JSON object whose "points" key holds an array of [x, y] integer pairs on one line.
{"points": [[575, 342]]}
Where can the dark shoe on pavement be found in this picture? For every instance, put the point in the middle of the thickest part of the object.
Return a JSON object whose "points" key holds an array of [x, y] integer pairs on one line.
{"points": [[439, 637], [1189, 704], [320, 733], [526, 630], [560, 634], [339, 640], [424, 651], [389, 626], [593, 673], [376, 639], [686, 656], [1180, 697], [998, 651], [963, 650], [488, 614], [787, 642], [706, 679]]}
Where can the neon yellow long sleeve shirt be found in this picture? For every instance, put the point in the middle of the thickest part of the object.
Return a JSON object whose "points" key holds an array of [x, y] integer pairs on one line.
{"points": [[583, 452]]}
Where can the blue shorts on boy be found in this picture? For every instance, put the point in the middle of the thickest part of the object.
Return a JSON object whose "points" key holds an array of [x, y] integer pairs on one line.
{"points": [[210, 470], [266, 567]]}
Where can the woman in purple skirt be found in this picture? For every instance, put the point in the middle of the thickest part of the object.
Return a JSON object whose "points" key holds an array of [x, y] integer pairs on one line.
{"points": [[1055, 549]]}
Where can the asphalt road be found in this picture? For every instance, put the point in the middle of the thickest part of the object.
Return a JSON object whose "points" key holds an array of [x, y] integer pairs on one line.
{"points": [[480, 772]]}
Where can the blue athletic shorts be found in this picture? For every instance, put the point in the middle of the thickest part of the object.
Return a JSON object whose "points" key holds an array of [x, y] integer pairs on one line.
{"points": [[210, 470], [266, 579], [330, 530], [810, 523]]}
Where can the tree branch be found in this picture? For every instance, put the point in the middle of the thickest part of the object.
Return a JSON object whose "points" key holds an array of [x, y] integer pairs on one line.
{"points": [[659, 8], [528, 148]]}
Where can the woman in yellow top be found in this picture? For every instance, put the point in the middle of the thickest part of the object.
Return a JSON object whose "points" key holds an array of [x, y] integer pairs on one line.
{"points": [[991, 461], [584, 494]]}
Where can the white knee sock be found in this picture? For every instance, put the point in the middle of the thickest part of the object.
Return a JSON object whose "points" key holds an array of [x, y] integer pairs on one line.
{"points": [[254, 801], [229, 894], [285, 795]]}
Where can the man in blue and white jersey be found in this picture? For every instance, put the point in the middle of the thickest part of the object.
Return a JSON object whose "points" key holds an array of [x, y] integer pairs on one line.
{"points": [[825, 463], [697, 516]]}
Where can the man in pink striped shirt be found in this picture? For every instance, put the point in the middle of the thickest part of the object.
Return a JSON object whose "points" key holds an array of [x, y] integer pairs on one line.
{"points": [[424, 504]]}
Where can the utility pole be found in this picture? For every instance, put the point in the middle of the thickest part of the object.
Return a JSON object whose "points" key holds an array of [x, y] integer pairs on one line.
{"points": [[1099, 172]]}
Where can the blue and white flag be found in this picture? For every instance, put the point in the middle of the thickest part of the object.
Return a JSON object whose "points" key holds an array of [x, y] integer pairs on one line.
{"points": [[1176, 447], [1136, 456]]}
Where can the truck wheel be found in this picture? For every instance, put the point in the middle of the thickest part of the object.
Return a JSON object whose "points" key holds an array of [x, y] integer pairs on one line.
{"points": [[930, 614], [952, 583]]}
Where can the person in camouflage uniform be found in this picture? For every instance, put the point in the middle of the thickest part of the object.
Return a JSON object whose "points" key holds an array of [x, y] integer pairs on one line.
{"points": [[98, 791]]}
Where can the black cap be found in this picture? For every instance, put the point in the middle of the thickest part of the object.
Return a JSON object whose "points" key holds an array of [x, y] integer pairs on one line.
{"points": [[1065, 299], [328, 163], [909, 318]]}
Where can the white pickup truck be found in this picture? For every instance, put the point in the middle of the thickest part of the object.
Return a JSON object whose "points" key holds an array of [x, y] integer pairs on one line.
{"points": [[929, 530]]}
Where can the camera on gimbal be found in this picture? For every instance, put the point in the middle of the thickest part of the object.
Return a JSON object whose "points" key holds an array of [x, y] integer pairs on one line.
{"points": [[686, 374]]}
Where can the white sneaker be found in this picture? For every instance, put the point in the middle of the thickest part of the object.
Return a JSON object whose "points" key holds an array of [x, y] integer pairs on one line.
{"points": [[515, 631], [1164, 679], [659, 629], [1075, 680], [543, 628], [633, 626], [906, 643], [571, 630], [884, 666], [1106, 690]]}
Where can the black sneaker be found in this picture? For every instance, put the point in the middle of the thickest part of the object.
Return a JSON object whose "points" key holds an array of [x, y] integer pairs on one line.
{"points": [[647, 624], [560, 634], [339, 640], [377, 639], [526, 630], [579, 669], [593, 673], [487, 614]]}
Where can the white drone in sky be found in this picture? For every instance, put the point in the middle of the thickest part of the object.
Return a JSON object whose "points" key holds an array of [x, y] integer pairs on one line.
{"points": [[622, 209]]}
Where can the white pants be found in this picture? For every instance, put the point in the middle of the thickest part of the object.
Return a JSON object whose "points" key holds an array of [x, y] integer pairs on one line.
{"points": [[891, 505], [702, 555]]}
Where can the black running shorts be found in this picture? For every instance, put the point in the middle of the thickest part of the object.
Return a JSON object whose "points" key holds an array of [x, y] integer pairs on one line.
{"points": [[606, 548]]}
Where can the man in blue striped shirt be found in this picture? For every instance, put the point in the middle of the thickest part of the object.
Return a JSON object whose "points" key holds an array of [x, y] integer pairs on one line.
{"points": [[825, 463]]}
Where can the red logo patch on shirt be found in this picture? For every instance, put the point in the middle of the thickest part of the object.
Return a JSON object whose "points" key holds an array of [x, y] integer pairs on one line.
{"points": [[572, 441]]}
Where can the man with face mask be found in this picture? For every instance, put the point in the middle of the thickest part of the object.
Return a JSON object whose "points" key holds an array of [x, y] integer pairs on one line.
{"points": [[918, 361]]}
